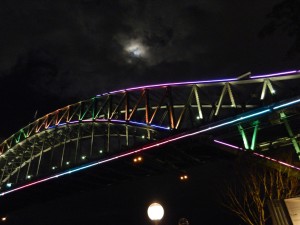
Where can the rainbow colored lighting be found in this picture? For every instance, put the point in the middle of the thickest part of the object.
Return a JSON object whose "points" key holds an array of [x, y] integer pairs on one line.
{"points": [[223, 123], [146, 147]]}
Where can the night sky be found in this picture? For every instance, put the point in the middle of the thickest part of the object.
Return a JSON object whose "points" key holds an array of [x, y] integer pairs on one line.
{"points": [[55, 53]]}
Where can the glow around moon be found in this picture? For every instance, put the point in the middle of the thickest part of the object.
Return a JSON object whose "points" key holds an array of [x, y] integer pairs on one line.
{"points": [[136, 49]]}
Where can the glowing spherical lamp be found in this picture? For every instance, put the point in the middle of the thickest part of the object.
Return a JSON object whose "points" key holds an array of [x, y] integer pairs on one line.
{"points": [[155, 211]]}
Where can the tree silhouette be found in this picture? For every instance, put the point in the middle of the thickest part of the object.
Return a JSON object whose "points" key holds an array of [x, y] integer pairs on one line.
{"points": [[254, 185]]}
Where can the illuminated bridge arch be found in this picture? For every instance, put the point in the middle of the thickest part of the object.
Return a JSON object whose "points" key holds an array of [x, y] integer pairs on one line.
{"points": [[127, 121]]}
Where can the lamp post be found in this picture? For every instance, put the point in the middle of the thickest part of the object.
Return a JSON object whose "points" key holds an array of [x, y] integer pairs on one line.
{"points": [[155, 212], [183, 221]]}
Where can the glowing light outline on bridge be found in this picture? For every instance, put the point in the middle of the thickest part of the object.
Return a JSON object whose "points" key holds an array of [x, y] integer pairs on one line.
{"points": [[258, 155], [146, 147], [162, 142], [287, 104], [197, 82], [113, 121], [168, 84], [274, 74]]}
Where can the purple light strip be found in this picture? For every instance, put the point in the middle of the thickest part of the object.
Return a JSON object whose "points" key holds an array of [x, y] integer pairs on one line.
{"points": [[274, 74], [114, 121], [197, 82], [169, 84], [259, 155]]}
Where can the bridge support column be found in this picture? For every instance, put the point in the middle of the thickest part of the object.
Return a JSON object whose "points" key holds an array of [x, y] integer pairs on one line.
{"points": [[283, 117], [31, 155], [39, 162], [92, 139], [63, 152], [3, 171]]}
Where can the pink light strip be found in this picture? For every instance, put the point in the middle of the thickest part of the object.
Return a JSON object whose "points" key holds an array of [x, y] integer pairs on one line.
{"points": [[259, 155], [229, 145]]}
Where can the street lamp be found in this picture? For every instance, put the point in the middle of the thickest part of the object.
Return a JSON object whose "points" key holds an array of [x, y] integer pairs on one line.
{"points": [[155, 212]]}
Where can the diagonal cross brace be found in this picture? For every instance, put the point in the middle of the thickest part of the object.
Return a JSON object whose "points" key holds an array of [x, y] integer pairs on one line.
{"points": [[254, 135], [283, 117]]}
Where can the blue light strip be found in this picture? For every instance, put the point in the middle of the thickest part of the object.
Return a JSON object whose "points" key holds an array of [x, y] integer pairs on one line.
{"points": [[286, 104]]}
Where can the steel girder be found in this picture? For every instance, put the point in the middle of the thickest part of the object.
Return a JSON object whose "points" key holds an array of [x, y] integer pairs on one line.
{"points": [[61, 148], [120, 120]]}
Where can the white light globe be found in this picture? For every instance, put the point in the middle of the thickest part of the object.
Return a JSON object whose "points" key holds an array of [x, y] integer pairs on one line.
{"points": [[155, 211]]}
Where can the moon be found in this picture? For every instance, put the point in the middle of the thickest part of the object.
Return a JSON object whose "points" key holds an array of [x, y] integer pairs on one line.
{"points": [[136, 49]]}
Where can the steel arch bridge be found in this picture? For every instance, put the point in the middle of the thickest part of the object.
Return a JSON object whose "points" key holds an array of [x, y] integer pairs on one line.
{"points": [[259, 114]]}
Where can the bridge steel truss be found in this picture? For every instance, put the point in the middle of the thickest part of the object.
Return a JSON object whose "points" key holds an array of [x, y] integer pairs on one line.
{"points": [[119, 121]]}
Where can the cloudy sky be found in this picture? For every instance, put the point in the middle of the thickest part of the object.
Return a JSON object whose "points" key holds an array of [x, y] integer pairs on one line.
{"points": [[55, 53], [58, 52]]}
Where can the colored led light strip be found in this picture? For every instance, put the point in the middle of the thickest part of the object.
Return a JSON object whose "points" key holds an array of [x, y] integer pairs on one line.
{"points": [[259, 155], [228, 145], [274, 74], [169, 84], [69, 172], [114, 121], [197, 82], [287, 104]]}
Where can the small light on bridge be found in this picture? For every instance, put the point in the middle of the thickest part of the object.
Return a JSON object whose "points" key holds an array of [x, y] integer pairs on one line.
{"points": [[101, 151], [53, 167], [198, 117], [138, 159], [28, 176], [83, 157], [68, 163], [143, 136], [3, 219], [184, 177], [8, 185]]}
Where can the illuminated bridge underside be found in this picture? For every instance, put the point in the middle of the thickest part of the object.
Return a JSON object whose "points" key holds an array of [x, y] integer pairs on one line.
{"points": [[256, 113]]}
